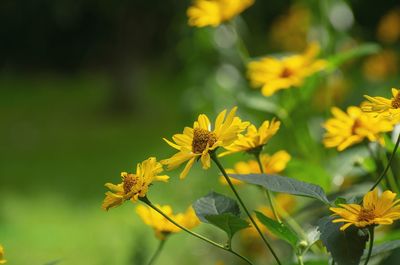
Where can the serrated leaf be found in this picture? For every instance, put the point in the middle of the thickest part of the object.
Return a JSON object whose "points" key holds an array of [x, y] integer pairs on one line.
{"points": [[215, 204], [285, 185], [228, 222], [346, 247], [279, 230], [383, 248]]}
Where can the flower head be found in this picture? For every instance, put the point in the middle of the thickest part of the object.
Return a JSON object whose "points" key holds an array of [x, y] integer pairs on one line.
{"points": [[272, 164], [214, 12], [375, 210], [162, 227], [135, 185], [346, 129], [273, 74], [388, 108], [199, 141], [2, 260], [254, 138]]}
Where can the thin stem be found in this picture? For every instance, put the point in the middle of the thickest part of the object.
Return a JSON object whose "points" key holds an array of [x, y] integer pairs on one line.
{"points": [[371, 243], [229, 249], [158, 251], [221, 168], [300, 259], [389, 176], [333, 262], [388, 164], [269, 196]]}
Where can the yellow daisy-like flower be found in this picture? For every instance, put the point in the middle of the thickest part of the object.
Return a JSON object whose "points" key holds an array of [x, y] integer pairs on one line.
{"points": [[2, 260], [389, 108], [272, 164], [375, 210], [214, 12], [254, 138], [346, 129], [162, 227], [135, 185], [199, 141], [273, 74]]}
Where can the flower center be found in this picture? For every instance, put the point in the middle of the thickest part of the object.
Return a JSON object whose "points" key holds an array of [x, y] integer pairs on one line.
{"points": [[201, 138], [396, 101], [129, 180], [366, 215], [357, 124], [286, 72]]}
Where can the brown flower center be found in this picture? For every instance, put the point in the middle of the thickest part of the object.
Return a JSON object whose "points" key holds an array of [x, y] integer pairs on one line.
{"points": [[357, 124], [366, 215], [201, 138], [396, 101], [129, 180], [286, 73]]}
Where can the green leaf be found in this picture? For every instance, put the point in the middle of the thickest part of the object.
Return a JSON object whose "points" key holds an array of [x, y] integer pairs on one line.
{"points": [[279, 230], [215, 204], [228, 222], [54, 262], [346, 247], [285, 185], [382, 248], [343, 57]]}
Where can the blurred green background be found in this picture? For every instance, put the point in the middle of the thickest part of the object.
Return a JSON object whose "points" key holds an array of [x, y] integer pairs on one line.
{"points": [[89, 88]]}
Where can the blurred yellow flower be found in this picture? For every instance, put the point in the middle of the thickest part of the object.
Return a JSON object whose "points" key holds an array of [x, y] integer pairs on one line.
{"points": [[389, 27], [272, 164], [2, 260], [375, 210], [289, 31], [273, 74], [134, 186], [254, 138], [388, 108], [199, 141], [162, 227], [346, 129], [214, 12], [380, 66]]}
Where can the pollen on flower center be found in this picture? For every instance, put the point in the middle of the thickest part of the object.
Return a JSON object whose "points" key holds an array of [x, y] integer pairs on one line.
{"points": [[396, 101], [286, 73], [129, 180], [366, 215], [201, 138]]}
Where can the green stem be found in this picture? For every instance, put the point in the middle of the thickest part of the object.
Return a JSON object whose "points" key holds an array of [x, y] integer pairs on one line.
{"points": [[269, 196], [300, 259], [389, 176], [333, 262], [229, 249], [388, 164], [221, 168], [158, 251], [371, 243]]}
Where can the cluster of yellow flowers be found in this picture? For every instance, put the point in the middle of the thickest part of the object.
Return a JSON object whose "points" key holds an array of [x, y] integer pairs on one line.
{"points": [[195, 143], [376, 116]]}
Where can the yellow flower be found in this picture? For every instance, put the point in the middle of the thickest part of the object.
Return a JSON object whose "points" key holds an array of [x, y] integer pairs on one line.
{"points": [[214, 12], [134, 186], [273, 74], [389, 108], [380, 66], [254, 138], [389, 27], [289, 31], [375, 210], [162, 227], [346, 129], [2, 260], [272, 165], [199, 141]]}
